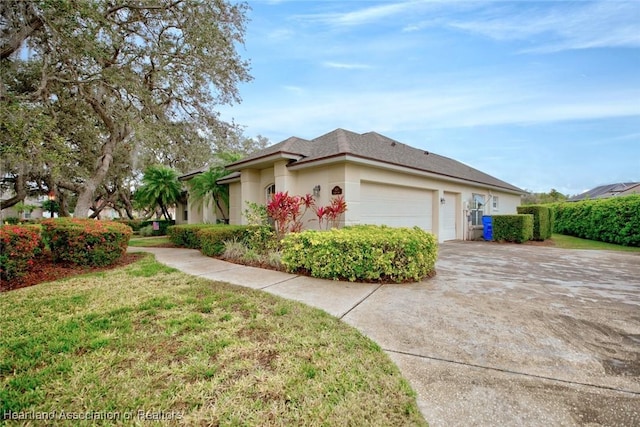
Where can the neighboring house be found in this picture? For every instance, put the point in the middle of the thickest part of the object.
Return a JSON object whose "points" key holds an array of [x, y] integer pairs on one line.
{"points": [[37, 212], [607, 191], [382, 181], [634, 189]]}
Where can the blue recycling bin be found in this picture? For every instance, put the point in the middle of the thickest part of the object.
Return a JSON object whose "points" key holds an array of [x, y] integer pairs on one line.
{"points": [[487, 232]]}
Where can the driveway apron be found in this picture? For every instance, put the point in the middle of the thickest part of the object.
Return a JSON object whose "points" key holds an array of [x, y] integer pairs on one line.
{"points": [[502, 335]]}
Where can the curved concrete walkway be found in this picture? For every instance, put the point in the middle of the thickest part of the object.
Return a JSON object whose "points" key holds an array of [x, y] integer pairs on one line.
{"points": [[503, 335]]}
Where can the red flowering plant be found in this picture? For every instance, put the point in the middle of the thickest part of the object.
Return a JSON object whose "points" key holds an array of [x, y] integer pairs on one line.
{"points": [[19, 246], [332, 212], [321, 212], [286, 211]]}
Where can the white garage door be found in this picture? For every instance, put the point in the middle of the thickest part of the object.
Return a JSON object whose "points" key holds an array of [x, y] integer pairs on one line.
{"points": [[395, 206], [449, 217]]}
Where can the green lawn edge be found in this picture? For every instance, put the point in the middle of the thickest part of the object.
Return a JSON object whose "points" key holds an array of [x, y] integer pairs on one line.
{"points": [[149, 242], [570, 242], [147, 340]]}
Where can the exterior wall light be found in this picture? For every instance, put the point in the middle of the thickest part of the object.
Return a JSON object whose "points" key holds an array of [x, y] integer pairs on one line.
{"points": [[316, 191], [52, 198]]}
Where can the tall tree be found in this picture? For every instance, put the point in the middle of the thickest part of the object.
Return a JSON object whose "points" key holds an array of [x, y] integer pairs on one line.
{"points": [[540, 198], [115, 77]]}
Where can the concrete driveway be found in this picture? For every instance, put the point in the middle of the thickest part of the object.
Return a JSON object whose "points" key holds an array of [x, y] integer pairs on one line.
{"points": [[516, 335], [503, 335]]}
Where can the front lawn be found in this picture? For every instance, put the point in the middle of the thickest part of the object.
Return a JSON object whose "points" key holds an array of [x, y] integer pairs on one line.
{"points": [[150, 242], [148, 341], [570, 242]]}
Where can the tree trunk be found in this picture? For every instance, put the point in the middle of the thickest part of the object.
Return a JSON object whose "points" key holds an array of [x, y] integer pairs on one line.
{"points": [[124, 197], [118, 132], [62, 203], [165, 212], [221, 210], [20, 188]]}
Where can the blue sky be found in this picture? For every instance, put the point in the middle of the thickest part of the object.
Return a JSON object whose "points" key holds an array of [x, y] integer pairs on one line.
{"points": [[539, 94]]}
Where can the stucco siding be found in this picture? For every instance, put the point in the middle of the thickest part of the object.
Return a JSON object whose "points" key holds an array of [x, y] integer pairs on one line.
{"points": [[305, 182], [236, 205]]}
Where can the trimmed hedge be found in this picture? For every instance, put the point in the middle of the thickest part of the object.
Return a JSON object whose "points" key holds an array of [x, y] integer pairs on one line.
{"points": [[615, 220], [512, 228], [212, 239], [185, 235], [19, 246], [135, 224], [163, 225], [368, 253], [542, 220], [86, 241]]}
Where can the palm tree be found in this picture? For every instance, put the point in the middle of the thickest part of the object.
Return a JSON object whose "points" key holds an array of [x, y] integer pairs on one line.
{"points": [[160, 187], [205, 187]]}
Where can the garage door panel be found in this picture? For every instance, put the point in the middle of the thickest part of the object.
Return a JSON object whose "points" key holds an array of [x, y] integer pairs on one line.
{"points": [[396, 206]]}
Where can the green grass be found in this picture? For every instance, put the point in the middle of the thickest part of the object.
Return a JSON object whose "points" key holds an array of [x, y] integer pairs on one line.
{"points": [[570, 242], [149, 242], [149, 338]]}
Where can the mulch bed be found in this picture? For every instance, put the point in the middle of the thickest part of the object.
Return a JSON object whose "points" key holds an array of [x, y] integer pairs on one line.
{"points": [[45, 270]]}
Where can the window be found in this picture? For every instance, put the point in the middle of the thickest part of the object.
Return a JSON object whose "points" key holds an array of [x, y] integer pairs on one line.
{"points": [[496, 203], [185, 215], [477, 209], [269, 192]]}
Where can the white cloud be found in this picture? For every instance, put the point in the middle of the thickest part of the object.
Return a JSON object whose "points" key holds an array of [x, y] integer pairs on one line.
{"points": [[281, 34], [565, 27], [346, 66], [294, 89], [471, 105], [363, 16]]}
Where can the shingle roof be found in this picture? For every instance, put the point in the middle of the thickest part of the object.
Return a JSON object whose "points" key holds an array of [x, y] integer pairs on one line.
{"points": [[604, 191], [373, 146]]}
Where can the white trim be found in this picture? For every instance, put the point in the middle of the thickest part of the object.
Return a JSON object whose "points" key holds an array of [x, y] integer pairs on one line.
{"points": [[262, 162]]}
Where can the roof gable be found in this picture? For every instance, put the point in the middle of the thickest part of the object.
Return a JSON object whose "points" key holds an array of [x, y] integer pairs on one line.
{"points": [[605, 191], [376, 147]]}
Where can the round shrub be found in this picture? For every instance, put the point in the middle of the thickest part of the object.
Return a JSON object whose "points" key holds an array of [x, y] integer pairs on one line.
{"points": [[19, 246], [366, 253], [86, 241], [186, 235]]}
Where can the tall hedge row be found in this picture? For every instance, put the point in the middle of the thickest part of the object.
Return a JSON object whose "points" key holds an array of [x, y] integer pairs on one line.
{"points": [[542, 220], [615, 220], [513, 228], [209, 238], [186, 235]]}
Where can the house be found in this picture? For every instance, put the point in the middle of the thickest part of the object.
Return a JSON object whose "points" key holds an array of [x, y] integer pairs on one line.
{"points": [[190, 211], [382, 181], [31, 208], [609, 190]]}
